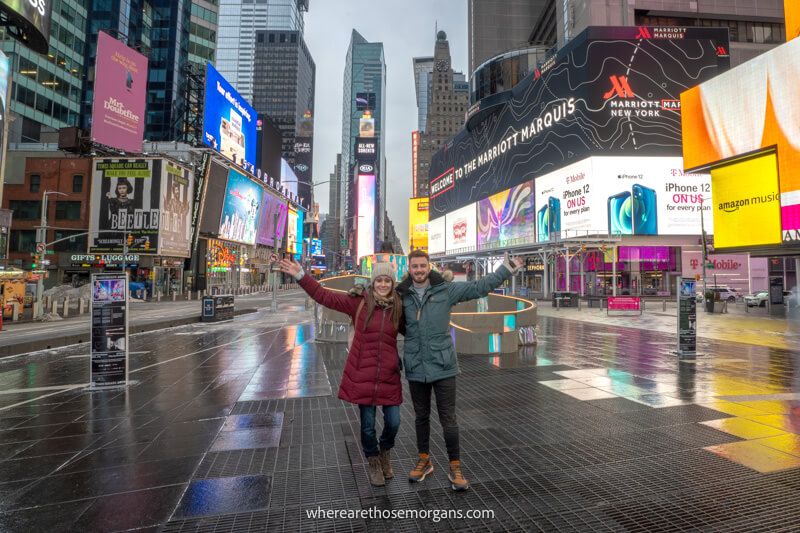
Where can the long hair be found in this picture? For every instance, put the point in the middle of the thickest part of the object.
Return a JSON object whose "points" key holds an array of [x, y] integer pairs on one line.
{"points": [[397, 306]]}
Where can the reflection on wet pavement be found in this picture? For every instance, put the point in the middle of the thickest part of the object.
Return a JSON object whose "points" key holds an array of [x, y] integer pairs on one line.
{"points": [[237, 427]]}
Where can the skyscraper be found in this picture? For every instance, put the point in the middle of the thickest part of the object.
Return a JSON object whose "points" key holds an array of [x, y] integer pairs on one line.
{"points": [[365, 80], [331, 237], [239, 20], [203, 33], [449, 94], [423, 69], [283, 79], [46, 89]]}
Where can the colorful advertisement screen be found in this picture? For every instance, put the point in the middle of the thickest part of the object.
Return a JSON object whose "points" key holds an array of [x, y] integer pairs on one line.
{"points": [[125, 207], [365, 226], [622, 196], [298, 243], [271, 206], [288, 177], [291, 230], [240, 209], [229, 122], [507, 218], [754, 107], [418, 223], [316, 248], [5, 72], [177, 197], [461, 230], [747, 210], [436, 240], [120, 90]]}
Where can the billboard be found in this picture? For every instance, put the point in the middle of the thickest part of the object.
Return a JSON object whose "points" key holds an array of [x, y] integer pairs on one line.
{"points": [[366, 126], [240, 209], [298, 244], [32, 19], [366, 149], [609, 91], [747, 210], [461, 230], [507, 218], [414, 161], [753, 108], [622, 196], [288, 177], [315, 248], [365, 101], [229, 122], [436, 240], [177, 197], [791, 11], [5, 73], [291, 230], [271, 205], [365, 221], [125, 205], [120, 88], [418, 223]]}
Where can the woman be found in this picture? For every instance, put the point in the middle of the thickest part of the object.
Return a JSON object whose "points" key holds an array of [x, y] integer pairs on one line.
{"points": [[372, 372]]}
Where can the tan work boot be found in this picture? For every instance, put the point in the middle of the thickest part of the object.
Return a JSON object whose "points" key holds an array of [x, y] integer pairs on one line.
{"points": [[456, 477], [423, 468], [375, 471], [386, 464]]}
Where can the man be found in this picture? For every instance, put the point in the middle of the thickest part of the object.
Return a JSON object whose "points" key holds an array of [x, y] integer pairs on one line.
{"points": [[429, 356]]}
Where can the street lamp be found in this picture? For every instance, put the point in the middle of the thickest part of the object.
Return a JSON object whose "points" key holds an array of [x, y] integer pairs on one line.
{"points": [[41, 243]]}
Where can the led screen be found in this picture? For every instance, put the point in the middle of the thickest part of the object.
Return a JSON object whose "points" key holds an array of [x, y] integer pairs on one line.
{"points": [[365, 226], [240, 209]]}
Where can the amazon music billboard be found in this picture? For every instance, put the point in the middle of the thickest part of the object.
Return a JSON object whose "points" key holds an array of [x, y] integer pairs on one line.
{"points": [[611, 91]]}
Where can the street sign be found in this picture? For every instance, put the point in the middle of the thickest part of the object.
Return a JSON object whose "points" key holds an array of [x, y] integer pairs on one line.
{"points": [[41, 235], [40, 247], [343, 242], [108, 365]]}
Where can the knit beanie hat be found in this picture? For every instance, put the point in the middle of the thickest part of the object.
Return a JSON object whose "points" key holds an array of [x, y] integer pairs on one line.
{"points": [[382, 269]]}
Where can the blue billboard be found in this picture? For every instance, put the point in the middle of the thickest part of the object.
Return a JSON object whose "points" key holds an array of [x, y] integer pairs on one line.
{"points": [[229, 122], [315, 248], [298, 247], [240, 209]]}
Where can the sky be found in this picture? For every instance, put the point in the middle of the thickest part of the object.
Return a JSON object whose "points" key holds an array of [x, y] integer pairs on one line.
{"points": [[407, 29]]}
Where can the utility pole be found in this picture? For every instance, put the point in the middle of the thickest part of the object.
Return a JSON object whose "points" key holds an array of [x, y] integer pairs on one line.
{"points": [[41, 244], [274, 306]]}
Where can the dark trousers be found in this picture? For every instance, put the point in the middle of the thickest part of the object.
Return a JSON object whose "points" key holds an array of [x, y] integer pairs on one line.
{"points": [[391, 423], [445, 390]]}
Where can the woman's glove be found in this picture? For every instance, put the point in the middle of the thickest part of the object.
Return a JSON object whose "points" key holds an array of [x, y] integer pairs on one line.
{"points": [[357, 290]]}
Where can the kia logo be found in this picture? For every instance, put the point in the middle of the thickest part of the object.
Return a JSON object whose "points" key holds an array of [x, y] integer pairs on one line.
{"points": [[365, 168], [301, 167]]}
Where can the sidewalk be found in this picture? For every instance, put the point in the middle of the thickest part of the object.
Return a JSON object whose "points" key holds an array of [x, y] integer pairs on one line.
{"points": [[736, 326]]}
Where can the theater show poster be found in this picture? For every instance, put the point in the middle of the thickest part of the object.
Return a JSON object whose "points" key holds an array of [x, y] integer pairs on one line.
{"points": [[177, 194], [125, 205], [109, 350]]}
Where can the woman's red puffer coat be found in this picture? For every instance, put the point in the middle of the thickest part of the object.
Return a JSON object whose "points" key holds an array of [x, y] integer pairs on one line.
{"points": [[372, 371]]}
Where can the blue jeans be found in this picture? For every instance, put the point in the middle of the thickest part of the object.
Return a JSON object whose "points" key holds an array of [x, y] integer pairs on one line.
{"points": [[391, 423]]}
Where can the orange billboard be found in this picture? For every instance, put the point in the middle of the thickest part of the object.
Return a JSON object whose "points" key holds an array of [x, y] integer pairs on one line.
{"points": [[418, 223], [750, 109], [791, 11]]}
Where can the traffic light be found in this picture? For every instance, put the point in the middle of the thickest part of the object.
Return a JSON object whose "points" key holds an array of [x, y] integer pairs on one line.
{"points": [[130, 239], [35, 262]]}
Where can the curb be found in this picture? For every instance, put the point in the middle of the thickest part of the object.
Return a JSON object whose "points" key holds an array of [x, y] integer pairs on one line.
{"points": [[82, 338]]}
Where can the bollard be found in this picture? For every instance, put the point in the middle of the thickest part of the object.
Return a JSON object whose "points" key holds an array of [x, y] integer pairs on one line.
{"points": [[65, 307], [54, 307], [81, 306], [558, 303], [664, 307], [158, 296], [15, 314], [643, 304], [174, 296]]}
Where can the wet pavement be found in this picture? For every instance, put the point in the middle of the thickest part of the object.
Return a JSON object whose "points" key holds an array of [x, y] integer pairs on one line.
{"points": [[236, 427]]}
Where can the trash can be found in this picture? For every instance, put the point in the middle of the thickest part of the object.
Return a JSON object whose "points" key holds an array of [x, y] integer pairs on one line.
{"points": [[217, 308], [565, 299]]}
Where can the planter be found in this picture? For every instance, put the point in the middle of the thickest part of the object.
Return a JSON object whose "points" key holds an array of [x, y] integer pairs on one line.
{"points": [[709, 306]]}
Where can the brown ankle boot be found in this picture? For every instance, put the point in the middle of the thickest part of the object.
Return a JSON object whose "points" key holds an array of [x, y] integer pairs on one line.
{"points": [[386, 464], [375, 471], [457, 480], [423, 468]]}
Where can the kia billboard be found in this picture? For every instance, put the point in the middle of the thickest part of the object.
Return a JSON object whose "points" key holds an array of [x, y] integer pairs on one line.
{"points": [[31, 21], [609, 91], [240, 209], [365, 221], [268, 230], [461, 230], [507, 218], [120, 90], [622, 196], [229, 122]]}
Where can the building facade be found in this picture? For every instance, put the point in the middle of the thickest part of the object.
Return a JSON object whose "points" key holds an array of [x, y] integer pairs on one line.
{"points": [[331, 232], [448, 100], [364, 73], [239, 20], [203, 33], [423, 69]]}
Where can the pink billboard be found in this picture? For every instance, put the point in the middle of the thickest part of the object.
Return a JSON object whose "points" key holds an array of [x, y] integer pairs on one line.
{"points": [[120, 87]]}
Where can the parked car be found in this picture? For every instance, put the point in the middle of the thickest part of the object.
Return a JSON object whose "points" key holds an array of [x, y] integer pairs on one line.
{"points": [[723, 294], [758, 299]]}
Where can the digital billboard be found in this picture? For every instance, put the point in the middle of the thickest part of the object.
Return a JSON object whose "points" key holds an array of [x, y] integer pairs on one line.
{"points": [[177, 197], [507, 218], [754, 107], [365, 225], [120, 90], [436, 239], [271, 205], [229, 122], [791, 11], [32, 21], [315, 248], [622, 196], [125, 206], [461, 229], [418, 223], [299, 234], [609, 91], [365, 101], [291, 231], [747, 210], [5, 73], [240, 209], [366, 149], [288, 177]]}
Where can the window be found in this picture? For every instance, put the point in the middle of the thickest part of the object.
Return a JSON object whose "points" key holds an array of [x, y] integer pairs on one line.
{"points": [[77, 183], [74, 244], [25, 209], [36, 182], [23, 241], [68, 210]]}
